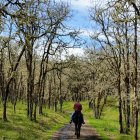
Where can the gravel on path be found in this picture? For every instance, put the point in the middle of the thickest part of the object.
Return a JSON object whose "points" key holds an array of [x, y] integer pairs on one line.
{"points": [[67, 133]]}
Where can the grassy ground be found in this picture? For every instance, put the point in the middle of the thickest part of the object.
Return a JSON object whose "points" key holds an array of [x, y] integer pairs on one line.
{"points": [[19, 127], [107, 126]]}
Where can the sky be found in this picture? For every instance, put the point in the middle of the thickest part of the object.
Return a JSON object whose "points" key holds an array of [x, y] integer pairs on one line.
{"points": [[80, 11], [81, 20]]}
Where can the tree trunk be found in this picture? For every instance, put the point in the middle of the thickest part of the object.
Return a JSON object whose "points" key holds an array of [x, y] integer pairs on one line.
{"points": [[136, 82], [120, 103], [35, 112], [55, 105], [105, 99], [90, 104], [30, 80], [127, 81], [50, 88], [4, 111], [60, 94], [98, 106]]}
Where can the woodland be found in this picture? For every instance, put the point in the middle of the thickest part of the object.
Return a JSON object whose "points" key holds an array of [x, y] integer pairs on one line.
{"points": [[33, 36]]}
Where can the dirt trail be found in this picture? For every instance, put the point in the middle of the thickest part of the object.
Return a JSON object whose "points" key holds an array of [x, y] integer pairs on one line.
{"points": [[67, 133]]}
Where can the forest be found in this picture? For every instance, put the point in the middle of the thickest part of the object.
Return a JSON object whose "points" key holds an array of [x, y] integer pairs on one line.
{"points": [[36, 70]]}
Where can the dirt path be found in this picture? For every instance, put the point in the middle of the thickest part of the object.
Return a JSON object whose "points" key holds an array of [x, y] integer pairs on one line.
{"points": [[67, 133]]}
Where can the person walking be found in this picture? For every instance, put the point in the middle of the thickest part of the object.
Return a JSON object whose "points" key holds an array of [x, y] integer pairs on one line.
{"points": [[77, 109]]}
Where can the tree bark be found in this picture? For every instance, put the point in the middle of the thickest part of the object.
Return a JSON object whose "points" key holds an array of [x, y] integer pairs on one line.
{"points": [[136, 109], [120, 103], [127, 82]]}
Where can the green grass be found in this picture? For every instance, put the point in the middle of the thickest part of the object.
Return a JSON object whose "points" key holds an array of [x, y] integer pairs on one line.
{"points": [[19, 127], [107, 126]]}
